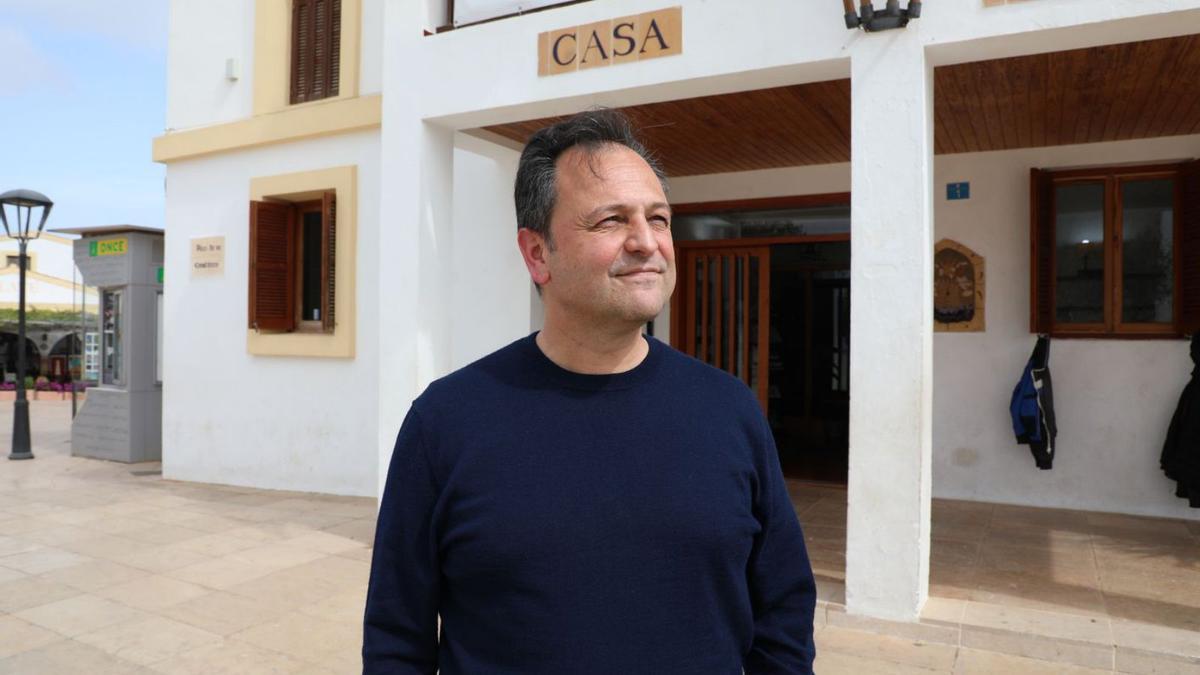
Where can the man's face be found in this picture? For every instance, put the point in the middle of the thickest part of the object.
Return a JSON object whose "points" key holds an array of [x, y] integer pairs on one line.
{"points": [[612, 261]]}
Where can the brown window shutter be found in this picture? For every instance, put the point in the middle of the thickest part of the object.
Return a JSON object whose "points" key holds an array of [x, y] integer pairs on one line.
{"points": [[335, 46], [1189, 248], [272, 266], [302, 46], [1041, 238], [328, 259], [320, 48]]}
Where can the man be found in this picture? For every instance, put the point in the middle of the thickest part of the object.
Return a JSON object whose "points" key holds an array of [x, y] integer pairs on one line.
{"points": [[587, 500]]}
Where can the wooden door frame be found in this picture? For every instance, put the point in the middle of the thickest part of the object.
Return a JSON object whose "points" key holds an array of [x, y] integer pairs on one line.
{"points": [[788, 202]]}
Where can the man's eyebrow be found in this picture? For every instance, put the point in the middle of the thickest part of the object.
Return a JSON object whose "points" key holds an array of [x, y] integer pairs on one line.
{"points": [[618, 206]]}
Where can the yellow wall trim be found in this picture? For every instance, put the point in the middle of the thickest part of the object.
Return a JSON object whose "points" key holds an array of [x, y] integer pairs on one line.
{"points": [[13, 271], [320, 118], [48, 236], [54, 307], [297, 186]]}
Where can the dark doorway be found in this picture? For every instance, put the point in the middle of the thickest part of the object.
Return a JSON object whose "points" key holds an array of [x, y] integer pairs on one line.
{"points": [[808, 400]]}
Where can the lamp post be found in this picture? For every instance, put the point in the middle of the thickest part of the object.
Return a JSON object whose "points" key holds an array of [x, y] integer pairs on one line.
{"points": [[24, 202]]}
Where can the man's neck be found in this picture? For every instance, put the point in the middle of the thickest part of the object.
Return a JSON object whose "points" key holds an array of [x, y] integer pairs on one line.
{"points": [[589, 350]]}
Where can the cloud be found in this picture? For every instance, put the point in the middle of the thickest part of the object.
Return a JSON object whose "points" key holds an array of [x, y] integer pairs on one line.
{"points": [[25, 67], [135, 23]]}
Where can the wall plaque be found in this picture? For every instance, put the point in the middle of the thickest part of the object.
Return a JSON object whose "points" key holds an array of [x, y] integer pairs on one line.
{"points": [[604, 43], [958, 288], [208, 256]]}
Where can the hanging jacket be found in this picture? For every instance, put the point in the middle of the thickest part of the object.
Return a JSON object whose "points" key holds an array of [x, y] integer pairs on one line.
{"points": [[1032, 406], [1181, 453]]}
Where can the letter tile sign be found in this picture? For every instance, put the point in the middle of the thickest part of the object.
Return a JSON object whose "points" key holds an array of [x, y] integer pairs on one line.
{"points": [[604, 43]]}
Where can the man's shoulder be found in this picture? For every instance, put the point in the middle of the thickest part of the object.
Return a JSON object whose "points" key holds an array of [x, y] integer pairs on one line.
{"points": [[702, 379], [489, 373]]}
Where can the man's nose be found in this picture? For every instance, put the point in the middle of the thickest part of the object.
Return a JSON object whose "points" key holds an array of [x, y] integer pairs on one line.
{"points": [[640, 236]]}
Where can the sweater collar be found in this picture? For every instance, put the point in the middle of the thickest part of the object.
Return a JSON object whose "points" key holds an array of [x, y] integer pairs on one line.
{"points": [[544, 367]]}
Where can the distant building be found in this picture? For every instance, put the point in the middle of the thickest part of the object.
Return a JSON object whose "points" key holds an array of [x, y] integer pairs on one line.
{"points": [[53, 298]]}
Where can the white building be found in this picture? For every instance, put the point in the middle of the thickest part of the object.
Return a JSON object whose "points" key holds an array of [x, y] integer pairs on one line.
{"points": [[51, 283], [789, 138]]}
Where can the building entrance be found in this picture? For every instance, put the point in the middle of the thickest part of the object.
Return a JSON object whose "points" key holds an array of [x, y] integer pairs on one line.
{"points": [[774, 311]]}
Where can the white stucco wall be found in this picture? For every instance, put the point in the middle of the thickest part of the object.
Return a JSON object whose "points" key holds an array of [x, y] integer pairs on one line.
{"points": [[52, 256], [490, 286], [230, 417], [202, 35], [1114, 398]]}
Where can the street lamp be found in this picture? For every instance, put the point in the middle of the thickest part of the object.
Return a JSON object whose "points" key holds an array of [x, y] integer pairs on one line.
{"points": [[23, 202]]}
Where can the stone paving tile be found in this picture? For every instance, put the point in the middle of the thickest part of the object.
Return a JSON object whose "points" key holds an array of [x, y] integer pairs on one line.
{"points": [[150, 640], [79, 614], [69, 657], [306, 637], [154, 592], [42, 560], [17, 635], [231, 657]]}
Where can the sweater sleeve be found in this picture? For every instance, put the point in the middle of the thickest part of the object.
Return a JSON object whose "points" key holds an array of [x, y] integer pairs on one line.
{"points": [[783, 593], [401, 623]]}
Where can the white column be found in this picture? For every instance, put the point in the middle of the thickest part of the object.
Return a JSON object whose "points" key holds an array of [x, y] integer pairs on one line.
{"points": [[417, 172], [891, 323]]}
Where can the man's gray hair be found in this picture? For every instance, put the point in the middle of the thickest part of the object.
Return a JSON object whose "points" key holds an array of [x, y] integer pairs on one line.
{"points": [[535, 190]]}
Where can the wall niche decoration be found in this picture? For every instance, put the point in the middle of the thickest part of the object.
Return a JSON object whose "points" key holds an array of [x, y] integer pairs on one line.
{"points": [[958, 288]]}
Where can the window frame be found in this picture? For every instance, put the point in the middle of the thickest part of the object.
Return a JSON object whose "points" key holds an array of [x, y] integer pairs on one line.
{"points": [[304, 325], [1113, 327], [299, 324]]}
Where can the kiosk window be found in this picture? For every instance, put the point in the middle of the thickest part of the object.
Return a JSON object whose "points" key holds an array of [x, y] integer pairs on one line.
{"points": [[111, 349]]}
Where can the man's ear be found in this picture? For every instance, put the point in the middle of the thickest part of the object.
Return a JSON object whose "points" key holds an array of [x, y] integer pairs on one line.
{"points": [[533, 250]]}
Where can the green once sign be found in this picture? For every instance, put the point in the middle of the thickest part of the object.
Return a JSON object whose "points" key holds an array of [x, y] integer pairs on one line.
{"points": [[108, 247]]}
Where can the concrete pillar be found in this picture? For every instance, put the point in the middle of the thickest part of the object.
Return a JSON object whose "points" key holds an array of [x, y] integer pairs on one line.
{"points": [[417, 172], [891, 377]]}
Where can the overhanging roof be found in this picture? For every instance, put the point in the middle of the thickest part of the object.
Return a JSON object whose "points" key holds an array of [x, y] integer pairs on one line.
{"points": [[1108, 93]]}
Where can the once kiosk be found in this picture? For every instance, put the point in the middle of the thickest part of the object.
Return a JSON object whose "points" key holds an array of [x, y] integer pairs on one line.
{"points": [[121, 419]]}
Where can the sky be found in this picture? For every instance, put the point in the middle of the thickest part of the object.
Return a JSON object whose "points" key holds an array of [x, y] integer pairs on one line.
{"points": [[82, 93]]}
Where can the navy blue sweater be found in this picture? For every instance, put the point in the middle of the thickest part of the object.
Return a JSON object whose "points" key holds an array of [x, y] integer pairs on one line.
{"points": [[576, 524]]}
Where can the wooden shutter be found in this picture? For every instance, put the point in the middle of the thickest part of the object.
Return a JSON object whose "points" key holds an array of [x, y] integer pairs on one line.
{"points": [[301, 50], [1041, 242], [333, 62], [1189, 248], [328, 259], [272, 266], [316, 49]]}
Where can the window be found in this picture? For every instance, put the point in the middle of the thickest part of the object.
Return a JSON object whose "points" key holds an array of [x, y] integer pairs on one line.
{"points": [[15, 261], [292, 254], [91, 357], [112, 361], [316, 49], [1116, 251]]}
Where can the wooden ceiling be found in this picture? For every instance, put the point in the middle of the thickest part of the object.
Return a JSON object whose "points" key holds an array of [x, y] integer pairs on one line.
{"points": [[1114, 92]]}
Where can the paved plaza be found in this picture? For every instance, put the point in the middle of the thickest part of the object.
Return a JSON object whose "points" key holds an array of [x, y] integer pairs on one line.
{"points": [[108, 568]]}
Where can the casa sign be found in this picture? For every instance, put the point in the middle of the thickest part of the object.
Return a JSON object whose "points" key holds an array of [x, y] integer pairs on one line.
{"points": [[605, 43]]}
